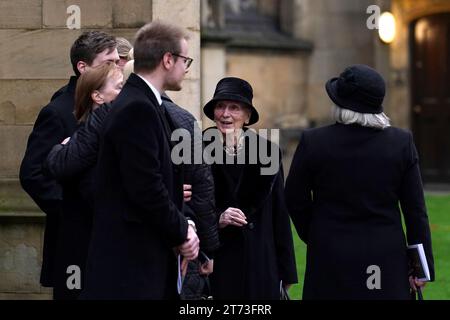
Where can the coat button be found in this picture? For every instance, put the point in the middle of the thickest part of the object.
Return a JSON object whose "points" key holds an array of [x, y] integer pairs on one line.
{"points": [[251, 226]]}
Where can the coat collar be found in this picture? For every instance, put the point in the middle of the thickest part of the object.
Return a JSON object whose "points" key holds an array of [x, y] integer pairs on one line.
{"points": [[137, 82], [71, 86], [252, 189], [153, 88]]}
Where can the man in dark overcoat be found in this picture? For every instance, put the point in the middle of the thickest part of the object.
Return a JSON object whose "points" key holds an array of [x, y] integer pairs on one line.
{"points": [[138, 225], [54, 123]]}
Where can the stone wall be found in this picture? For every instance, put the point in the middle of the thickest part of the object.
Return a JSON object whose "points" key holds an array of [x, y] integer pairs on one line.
{"points": [[35, 63], [213, 69], [340, 36], [279, 85]]}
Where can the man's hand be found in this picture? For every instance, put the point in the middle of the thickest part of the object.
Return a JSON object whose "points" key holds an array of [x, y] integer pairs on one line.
{"points": [[232, 216], [187, 192], [189, 249]]}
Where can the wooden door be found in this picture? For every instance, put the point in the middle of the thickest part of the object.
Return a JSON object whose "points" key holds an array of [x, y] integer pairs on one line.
{"points": [[430, 43]]}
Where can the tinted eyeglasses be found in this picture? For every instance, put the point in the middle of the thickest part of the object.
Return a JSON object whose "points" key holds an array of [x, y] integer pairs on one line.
{"points": [[187, 60]]}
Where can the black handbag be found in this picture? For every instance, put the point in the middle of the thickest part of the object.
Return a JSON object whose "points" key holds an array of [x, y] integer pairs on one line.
{"points": [[195, 285]]}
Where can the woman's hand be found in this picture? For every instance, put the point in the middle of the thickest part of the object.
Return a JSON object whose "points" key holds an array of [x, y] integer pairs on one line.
{"points": [[233, 217], [187, 192], [415, 283]]}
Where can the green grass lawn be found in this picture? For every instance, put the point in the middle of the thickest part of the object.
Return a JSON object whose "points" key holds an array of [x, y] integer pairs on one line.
{"points": [[439, 214]]}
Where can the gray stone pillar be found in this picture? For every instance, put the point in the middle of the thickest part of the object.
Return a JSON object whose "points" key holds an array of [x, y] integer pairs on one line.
{"points": [[185, 13], [338, 31]]}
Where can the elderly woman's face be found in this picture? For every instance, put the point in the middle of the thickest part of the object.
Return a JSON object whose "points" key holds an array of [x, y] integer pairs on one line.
{"points": [[230, 115]]}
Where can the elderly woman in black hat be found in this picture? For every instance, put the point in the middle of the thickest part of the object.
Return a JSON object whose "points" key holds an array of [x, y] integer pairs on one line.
{"points": [[256, 252], [343, 192]]}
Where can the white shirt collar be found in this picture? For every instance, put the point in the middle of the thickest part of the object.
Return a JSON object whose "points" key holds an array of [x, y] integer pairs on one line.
{"points": [[155, 92]]}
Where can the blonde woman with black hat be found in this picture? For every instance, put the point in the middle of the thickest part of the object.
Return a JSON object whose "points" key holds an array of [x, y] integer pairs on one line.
{"points": [[256, 251], [344, 191]]}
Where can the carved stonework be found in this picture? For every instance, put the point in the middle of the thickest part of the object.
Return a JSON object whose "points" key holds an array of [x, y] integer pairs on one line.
{"points": [[212, 14]]}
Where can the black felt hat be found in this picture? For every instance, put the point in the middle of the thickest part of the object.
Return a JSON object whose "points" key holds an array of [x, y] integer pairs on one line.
{"points": [[234, 89], [359, 88]]}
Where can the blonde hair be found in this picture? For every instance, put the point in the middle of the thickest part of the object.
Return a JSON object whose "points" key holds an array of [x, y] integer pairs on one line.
{"points": [[128, 69], [130, 55]]}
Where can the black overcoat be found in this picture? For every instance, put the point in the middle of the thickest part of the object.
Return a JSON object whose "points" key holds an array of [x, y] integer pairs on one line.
{"points": [[138, 200], [252, 260], [343, 193], [72, 165], [54, 123]]}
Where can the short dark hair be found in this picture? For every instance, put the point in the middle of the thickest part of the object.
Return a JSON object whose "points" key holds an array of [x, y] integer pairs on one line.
{"points": [[88, 45], [153, 41]]}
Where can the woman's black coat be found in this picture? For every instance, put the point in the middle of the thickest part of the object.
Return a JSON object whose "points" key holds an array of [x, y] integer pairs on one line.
{"points": [[253, 259], [72, 165], [343, 193], [54, 123]]}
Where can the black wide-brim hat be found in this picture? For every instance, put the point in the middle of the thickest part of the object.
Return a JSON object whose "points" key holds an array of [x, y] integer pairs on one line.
{"points": [[359, 88], [234, 89]]}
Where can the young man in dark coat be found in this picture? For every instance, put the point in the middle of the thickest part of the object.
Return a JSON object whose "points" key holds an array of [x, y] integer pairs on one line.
{"points": [[55, 122], [78, 158], [74, 163], [343, 192], [138, 225]]}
